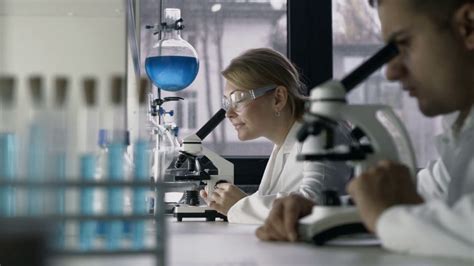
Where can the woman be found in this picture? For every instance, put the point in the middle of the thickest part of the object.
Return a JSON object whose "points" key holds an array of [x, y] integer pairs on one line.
{"points": [[263, 98]]}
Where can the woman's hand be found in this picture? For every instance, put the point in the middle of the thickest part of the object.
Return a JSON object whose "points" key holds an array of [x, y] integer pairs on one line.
{"points": [[225, 195]]}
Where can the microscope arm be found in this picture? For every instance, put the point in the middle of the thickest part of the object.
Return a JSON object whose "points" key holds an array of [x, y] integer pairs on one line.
{"points": [[192, 147], [192, 144], [387, 136]]}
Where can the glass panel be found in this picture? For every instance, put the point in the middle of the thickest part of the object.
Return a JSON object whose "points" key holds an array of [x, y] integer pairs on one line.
{"points": [[356, 35], [219, 31]]}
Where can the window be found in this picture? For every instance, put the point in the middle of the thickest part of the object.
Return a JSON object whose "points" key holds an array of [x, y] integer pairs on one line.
{"points": [[219, 31], [356, 36]]}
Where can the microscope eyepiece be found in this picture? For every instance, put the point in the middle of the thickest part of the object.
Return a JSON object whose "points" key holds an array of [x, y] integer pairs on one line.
{"points": [[383, 56], [215, 120]]}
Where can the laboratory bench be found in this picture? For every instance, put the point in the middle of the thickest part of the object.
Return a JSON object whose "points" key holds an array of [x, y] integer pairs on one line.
{"points": [[196, 242]]}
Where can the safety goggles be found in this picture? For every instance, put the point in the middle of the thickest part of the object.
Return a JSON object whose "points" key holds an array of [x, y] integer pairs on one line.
{"points": [[240, 98]]}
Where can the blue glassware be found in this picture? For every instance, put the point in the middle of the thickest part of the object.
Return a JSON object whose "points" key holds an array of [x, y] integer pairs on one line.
{"points": [[141, 173], [172, 63], [115, 195], [8, 150], [87, 228], [172, 73]]}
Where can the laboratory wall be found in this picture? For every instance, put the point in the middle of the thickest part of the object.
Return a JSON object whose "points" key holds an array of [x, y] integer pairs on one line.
{"points": [[71, 39]]}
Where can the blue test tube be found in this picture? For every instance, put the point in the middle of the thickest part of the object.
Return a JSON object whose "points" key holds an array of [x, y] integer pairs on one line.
{"points": [[35, 169], [60, 173], [8, 149], [141, 173], [115, 195], [101, 169], [87, 228]]}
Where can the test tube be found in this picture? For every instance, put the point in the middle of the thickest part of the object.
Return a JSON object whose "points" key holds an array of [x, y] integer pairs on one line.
{"points": [[122, 135], [59, 148], [8, 145], [115, 197], [91, 111], [101, 174], [139, 195], [87, 228], [36, 147], [144, 128], [88, 163], [142, 166], [117, 95]]}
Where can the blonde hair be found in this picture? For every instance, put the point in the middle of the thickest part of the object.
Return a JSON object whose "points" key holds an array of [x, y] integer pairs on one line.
{"points": [[260, 67]]}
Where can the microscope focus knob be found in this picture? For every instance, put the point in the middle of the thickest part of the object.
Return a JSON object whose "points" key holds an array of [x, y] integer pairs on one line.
{"points": [[330, 198], [191, 197]]}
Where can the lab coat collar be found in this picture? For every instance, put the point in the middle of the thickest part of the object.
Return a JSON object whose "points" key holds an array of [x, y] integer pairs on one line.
{"points": [[449, 134], [454, 149], [277, 161], [468, 123]]}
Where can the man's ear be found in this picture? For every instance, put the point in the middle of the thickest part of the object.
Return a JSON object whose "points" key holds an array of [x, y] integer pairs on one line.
{"points": [[280, 98], [464, 21]]}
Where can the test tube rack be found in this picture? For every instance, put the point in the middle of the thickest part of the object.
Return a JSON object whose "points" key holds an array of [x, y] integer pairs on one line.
{"points": [[56, 219]]}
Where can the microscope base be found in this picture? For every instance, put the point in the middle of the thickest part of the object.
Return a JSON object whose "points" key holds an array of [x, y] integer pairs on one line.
{"points": [[327, 223], [186, 211]]}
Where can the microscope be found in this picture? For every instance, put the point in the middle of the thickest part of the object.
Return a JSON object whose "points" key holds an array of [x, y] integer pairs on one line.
{"points": [[198, 164], [377, 134]]}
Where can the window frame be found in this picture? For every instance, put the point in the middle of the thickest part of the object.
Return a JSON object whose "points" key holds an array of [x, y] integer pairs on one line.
{"points": [[309, 47]]}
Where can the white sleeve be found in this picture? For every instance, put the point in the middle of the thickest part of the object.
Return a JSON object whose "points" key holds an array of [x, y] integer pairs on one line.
{"points": [[432, 228], [433, 181], [313, 181], [252, 209]]}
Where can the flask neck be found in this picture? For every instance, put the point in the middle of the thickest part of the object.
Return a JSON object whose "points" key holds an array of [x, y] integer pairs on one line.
{"points": [[171, 34]]}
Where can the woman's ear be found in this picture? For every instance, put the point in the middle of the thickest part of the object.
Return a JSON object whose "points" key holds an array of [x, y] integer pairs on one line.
{"points": [[280, 98], [464, 21]]}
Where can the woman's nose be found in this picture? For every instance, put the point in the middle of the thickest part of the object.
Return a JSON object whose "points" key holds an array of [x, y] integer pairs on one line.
{"points": [[230, 112]]}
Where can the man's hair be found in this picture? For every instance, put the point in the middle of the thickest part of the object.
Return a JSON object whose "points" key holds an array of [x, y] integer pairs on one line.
{"points": [[440, 10]]}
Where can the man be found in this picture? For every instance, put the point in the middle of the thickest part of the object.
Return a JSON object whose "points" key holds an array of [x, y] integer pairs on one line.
{"points": [[436, 66]]}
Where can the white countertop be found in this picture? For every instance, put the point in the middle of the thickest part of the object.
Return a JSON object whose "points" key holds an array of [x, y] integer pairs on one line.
{"points": [[219, 243]]}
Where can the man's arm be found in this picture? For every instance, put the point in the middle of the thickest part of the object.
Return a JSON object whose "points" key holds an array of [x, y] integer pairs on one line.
{"points": [[432, 228], [433, 181], [390, 206]]}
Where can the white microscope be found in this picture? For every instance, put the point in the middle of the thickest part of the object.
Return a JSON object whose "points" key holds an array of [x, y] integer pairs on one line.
{"points": [[378, 134], [199, 164]]}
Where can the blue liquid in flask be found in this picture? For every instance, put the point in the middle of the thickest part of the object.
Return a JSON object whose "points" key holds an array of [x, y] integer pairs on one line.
{"points": [[172, 73]]}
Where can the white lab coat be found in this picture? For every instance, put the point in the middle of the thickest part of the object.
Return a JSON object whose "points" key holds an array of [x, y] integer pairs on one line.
{"points": [[283, 175], [444, 224]]}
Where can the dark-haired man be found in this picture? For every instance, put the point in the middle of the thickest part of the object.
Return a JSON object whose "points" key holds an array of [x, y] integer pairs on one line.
{"points": [[436, 66]]}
